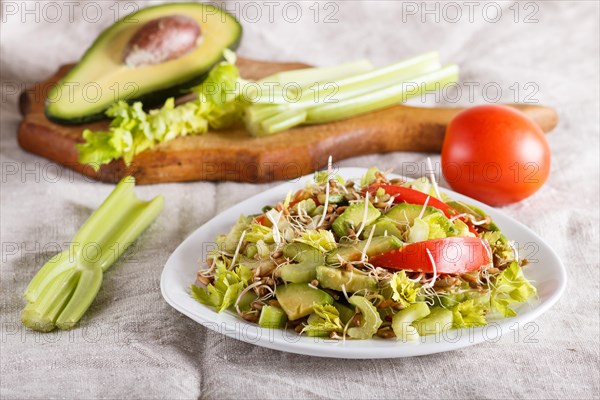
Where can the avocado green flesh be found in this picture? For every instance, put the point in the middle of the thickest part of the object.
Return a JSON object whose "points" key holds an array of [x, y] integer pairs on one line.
{"points": [[101, 78], [353, 217], [338, 279], [353, 252], [404, 214], [305, 260], [383, 227], [297, 299]]}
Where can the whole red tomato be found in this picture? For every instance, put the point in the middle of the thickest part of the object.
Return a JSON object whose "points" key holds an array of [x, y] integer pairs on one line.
{"points": [[495, 154]]}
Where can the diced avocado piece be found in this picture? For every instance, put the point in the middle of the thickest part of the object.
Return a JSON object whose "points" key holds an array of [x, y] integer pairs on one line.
{"points": [[335, 278], [353, 252], [272, 317], [438, 321], [383, 227], [102, 76], [478, 212], [353, 216], [402, 320], [334, 198], [247, 298], [404, 214], [346, 312], [297, 299], [369, 316], [303, 267]]}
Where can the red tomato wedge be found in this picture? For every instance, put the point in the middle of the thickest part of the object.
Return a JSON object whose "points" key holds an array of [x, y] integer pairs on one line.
{"points": [[407, 195], [453, 255]]}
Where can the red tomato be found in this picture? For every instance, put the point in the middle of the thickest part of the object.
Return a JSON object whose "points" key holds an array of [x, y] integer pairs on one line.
{"points": [[453, 255], [495, 154], [411, 196]]}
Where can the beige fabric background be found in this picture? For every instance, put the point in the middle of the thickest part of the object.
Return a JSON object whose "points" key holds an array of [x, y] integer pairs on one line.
{"points": [[132, 344]]}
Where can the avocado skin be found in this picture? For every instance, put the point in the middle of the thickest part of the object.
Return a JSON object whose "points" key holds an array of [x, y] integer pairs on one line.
{"points": [[152, 99]]}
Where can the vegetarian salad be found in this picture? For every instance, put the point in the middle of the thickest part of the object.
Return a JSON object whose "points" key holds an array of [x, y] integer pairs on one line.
{"points": [[354, 260]]}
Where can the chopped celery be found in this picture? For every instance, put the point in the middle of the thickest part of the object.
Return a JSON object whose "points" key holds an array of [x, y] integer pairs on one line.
{"points": [[272, 317], [64, 288], [402, 320], [438, 321], [371, 321]]}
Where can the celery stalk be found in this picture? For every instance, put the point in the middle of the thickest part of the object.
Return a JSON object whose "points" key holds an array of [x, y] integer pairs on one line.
{"points": [[351, 86], [65, 287], [308, 76], [387, 97], [280, 122]]}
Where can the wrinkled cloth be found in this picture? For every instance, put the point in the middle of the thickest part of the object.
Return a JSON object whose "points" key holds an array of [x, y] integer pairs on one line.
{"points": [[131, 344]]}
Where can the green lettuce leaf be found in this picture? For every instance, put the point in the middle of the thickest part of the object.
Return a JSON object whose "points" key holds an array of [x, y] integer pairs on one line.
{"points": [[468, 314], [510, 287], [322, 239], [258, 232], [369, 177], [324, 320], [225, 289], [404, 290]]}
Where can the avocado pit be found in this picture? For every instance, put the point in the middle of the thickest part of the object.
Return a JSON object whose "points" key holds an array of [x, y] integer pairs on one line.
{"points": [[162, 39]]}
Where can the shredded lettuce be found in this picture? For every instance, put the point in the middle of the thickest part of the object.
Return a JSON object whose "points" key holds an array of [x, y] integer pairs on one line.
{"points": [[468, 314], [510, 287], [321, 177], [500, 246], [369, 177], [462, 229], [322, 239], [133, 130], [404, 290], [326, 319], [258, 232]]}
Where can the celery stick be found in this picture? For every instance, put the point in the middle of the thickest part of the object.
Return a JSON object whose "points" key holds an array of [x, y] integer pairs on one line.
{"points": [[402, 320], [272, 317], [336, 90], [387, 97], [64, 288], [308, 76], [280, 122]]}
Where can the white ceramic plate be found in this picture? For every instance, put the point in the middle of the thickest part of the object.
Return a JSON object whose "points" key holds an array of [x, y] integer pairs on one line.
{"points": [[546, 270]]}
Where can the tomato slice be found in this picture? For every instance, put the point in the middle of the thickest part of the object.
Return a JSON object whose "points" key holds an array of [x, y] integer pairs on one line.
{"points": [[453, 255]]}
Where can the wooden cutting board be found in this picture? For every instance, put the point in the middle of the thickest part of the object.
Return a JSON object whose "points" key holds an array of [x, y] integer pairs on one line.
{"points": [[234, 154]]}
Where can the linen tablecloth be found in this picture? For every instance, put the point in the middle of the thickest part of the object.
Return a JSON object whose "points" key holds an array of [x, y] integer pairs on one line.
{"points": [[132, 344]]}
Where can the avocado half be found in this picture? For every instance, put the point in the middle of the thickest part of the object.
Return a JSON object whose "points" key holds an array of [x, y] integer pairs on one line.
{"points": [[102, 77]]}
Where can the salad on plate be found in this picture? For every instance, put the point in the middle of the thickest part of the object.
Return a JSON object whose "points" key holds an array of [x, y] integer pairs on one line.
{"points": [[380, 257]]}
